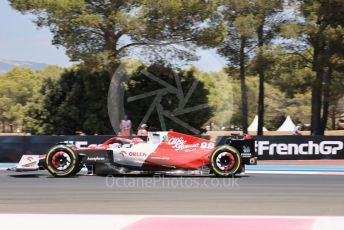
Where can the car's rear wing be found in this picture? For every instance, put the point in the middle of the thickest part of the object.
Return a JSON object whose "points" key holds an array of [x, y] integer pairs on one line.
{"points": [[246, 148]]}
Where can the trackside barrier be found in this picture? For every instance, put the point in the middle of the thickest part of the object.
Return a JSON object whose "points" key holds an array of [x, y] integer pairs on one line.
{"points": [[13, 147], [298, 147], [268, 147]]}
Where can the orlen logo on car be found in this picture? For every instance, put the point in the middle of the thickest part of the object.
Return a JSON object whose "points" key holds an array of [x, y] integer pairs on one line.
{"points": [[133, 154], [309, 148]]}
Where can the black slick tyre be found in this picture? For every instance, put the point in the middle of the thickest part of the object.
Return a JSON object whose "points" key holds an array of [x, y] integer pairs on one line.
{"points": [[225, 161], [62, 161]]}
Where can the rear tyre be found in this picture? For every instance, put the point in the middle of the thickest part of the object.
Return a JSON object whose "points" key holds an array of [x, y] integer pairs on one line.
{"points": [[225, 161], [62, 161]]}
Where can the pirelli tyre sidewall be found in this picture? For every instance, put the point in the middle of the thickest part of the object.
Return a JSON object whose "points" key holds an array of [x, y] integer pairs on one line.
{"points": [[70, 168], [232, 154]]}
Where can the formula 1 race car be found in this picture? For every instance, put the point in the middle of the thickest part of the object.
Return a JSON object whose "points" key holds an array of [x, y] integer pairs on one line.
{"points": [[163, 153]]}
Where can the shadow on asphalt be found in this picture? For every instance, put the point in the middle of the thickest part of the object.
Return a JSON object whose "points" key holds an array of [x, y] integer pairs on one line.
{"points": [[38, 175], [169, 176], [26, 175]]}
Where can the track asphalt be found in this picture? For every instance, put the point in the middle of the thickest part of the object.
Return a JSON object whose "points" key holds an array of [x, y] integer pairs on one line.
{"points": [[253, 194]]}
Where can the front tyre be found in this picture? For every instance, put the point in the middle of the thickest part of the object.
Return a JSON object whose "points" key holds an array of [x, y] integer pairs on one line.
{"points": [[62, 161], [225, 161]]}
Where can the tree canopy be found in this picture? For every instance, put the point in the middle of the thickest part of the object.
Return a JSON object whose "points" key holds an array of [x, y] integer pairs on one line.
{"points": [[284, 57], [174, 98], [101, 32], [17, 89], [74, 102]]}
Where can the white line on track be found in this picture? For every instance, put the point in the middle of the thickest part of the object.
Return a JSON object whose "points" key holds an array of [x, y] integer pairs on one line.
{"points": [[113, 222], [62, 221]]}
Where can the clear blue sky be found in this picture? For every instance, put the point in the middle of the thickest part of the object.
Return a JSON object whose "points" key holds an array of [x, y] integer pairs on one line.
{"points": [[21, 40]]}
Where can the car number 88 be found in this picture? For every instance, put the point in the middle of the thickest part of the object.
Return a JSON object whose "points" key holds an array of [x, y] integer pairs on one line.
{"points": [[207, 145]]}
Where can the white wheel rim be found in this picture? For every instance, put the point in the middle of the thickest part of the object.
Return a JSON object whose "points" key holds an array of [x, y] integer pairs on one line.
{"points": [[218, 160], [68, 161]]}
